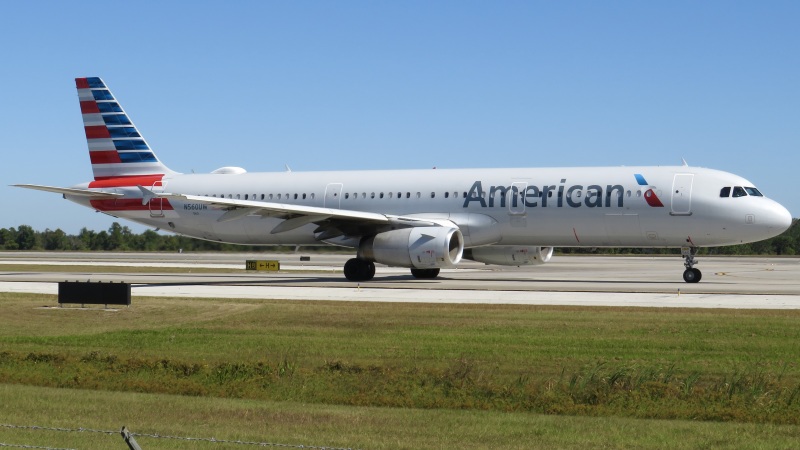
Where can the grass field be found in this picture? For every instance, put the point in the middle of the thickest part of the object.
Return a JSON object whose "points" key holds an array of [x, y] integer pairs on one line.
{"points": [[400, 375]]}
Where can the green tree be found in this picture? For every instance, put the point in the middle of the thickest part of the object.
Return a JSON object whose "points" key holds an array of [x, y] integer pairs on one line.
{"points": [[8, 238], [26, 238], [55, 240]]}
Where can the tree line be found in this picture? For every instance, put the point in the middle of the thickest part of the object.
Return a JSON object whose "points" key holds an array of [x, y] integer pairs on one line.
{"points": [[121, 238]]}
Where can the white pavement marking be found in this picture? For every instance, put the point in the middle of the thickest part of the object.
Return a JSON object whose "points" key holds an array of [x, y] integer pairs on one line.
{"points": [[439, 296]]}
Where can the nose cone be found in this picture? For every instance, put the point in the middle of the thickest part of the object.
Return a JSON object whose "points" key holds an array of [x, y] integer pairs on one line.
{"points": [[777, 219]]}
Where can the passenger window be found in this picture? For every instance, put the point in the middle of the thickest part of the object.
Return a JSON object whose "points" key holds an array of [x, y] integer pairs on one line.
{"points": [[381, 194], [725, 192], [738, 191], [371, 195], [446, 195], [346, 195], [433, 194]]}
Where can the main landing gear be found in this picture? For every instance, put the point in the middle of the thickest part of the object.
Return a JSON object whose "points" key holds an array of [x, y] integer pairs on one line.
{"points": [[359, 269], [362, 270], [425, 273], [690, 275]]}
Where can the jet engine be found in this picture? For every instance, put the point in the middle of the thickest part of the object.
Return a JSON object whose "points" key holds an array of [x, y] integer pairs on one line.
{"points": [[414, 247], [510, 255]]}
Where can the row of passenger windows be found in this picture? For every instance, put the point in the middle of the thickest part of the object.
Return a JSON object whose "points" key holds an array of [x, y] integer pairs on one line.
{"points": [[739, 191], [364, 195]]}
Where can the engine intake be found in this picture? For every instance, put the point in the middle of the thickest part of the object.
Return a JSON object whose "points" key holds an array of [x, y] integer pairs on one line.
{"points": [[415, 247], [510, 255]]}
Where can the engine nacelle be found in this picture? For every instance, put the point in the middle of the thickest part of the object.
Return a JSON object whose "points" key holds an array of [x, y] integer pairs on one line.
{"points": [[510, 255], [415, 247]]}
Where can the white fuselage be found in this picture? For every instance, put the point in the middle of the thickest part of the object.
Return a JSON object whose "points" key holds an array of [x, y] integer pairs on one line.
{"points": [[561, 207]]}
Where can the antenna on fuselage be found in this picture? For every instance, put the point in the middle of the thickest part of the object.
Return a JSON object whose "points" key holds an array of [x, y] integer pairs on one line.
{"points": [[685, 164]]}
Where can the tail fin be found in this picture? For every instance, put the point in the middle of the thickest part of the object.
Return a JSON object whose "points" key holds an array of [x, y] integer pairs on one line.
{"points": [[116, 148]]}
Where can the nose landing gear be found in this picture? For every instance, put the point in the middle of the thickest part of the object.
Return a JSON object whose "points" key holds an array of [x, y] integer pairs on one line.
{"points": [[690, 275]]}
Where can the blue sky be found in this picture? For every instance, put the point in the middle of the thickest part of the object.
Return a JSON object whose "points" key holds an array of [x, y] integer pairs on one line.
{"points": [[403, 84]]}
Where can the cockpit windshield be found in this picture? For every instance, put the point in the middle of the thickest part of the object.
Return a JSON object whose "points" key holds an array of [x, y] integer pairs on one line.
{"points": [[739, 191], [753, 191]]}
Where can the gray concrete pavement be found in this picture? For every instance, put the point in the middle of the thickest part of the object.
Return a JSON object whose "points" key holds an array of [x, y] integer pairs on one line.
{"points": [[749, 282]]}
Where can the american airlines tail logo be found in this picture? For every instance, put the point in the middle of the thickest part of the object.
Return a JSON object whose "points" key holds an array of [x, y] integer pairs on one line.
{"points": [[575, 196], [649, 196]]}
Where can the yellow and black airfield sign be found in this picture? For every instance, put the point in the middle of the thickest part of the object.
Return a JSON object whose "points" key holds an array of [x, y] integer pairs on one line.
{"points": [[262, 264]]}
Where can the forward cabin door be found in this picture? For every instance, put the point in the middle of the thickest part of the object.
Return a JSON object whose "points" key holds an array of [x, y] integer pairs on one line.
{"points": [[682, 194]]}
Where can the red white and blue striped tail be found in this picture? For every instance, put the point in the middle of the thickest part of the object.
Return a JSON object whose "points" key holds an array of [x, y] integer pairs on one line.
{"points": [[116, 148]]}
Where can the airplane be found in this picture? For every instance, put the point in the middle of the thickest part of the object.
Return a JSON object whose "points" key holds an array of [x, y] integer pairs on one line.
{"points": [[424, 220]]}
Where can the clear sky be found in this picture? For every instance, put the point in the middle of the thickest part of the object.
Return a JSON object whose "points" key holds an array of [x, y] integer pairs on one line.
{"points": [[335, 85]]}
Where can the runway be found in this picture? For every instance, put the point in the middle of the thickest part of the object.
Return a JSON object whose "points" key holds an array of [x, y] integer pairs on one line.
{"points": [[741, 282]]}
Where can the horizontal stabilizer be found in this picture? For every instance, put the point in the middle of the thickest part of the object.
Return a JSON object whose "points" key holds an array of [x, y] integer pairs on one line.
{"points": [[70, 191]]}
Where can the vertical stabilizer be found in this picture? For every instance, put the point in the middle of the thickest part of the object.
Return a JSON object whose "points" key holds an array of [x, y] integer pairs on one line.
{"points": [[116, 148]]}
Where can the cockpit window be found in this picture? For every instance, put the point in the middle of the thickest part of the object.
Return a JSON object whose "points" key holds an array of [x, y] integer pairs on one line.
{"points": [[739, 191], [725, 192], [753, 191]]}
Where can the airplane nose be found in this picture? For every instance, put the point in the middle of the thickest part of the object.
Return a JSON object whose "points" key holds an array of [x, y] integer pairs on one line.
{"points": [[778, 219]]}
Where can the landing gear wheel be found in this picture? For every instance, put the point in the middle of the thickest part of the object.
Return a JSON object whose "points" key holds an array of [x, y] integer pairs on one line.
{"points": [[425, 273], [692, 275], [359, 270]]}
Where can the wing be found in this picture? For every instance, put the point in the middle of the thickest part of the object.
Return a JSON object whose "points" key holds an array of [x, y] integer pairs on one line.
{"points": [[331, 223], [70, 191]]}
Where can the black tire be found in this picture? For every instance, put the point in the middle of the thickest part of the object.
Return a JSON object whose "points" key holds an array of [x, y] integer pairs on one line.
{"points": [[698, 275], [425, 273], [369, 270], [359, 270], [692, 275]]}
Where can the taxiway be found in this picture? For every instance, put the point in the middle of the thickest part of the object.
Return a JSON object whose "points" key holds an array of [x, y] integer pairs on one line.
{"points": [[741, 282]]}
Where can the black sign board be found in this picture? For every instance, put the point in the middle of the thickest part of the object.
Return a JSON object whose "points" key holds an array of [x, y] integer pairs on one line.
{"points": [[88, 293]]}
